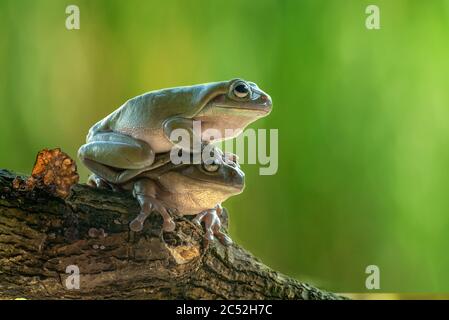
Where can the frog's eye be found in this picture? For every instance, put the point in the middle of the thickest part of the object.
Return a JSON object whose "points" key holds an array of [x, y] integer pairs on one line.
{"points": [[211, 167], [241, 90]]}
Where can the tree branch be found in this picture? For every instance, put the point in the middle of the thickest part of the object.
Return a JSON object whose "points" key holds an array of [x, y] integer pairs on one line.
{"points": [[40, 235]]}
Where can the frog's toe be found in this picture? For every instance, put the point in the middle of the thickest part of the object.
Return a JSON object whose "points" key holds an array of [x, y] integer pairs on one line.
{"points": [[224, 239], [197, 222], [199, 218], [209, 235], [136, 225]]}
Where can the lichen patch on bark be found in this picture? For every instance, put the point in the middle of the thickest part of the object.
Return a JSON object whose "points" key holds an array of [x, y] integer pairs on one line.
{"points": [[54, 172], [184, 254]]}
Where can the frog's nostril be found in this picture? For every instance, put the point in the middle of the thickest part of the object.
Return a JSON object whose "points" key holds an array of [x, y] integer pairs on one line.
{"points": [[266, 99]]}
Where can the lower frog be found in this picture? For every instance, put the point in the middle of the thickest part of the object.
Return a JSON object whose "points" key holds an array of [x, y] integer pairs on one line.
{"points": [[184, 189]]}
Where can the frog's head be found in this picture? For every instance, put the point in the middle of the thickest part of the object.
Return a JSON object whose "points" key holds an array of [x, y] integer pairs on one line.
{"points": [[217, 180], [242, 97], [235, 105]]}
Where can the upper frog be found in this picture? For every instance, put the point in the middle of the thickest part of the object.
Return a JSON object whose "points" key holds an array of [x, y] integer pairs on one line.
{"points": [[129, 140]]}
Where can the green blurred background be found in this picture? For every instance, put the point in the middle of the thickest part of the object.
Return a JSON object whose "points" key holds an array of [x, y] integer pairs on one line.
{"points": [[363, 116]]}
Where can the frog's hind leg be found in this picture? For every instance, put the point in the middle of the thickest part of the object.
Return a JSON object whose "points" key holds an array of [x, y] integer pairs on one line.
{"points": [[116, 157], [145, 192]]}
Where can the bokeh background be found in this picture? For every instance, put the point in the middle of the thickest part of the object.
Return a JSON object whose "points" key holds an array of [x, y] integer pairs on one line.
{"points": [[363, 116]]}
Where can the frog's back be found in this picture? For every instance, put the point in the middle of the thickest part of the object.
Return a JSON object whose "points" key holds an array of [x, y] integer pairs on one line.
{"points": [[138, 112], [151, 109]]}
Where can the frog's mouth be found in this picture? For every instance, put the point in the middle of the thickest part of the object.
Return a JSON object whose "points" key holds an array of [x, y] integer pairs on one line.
{"points": [[180, 184], [232, 188], [258, 103], [237, 186], [262, 109]]}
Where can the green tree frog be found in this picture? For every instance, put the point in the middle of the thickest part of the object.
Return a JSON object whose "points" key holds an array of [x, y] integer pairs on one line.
{"points": [[129, 140]]}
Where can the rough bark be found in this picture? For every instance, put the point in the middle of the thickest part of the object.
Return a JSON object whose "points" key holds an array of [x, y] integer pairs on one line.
{"points": [[41, 235]]}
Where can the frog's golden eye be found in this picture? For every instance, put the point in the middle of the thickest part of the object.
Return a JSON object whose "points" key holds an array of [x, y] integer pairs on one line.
{"points": [[211, 167], [241, 90]]}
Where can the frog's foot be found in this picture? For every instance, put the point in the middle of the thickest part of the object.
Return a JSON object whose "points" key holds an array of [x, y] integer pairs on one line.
{"points": [[137, 224], [98, 182], [149, 204], [212, 226]]}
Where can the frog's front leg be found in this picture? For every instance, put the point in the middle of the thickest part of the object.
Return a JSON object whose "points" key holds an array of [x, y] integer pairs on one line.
{"points": [[212, 225], [181, 132], [116, 157], [145, 191]]}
